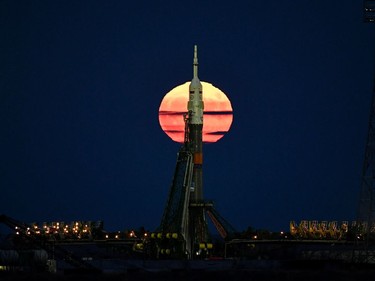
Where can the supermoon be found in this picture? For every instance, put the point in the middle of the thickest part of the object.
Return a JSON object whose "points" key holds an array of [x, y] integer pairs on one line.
{"points": [[217, 114]]}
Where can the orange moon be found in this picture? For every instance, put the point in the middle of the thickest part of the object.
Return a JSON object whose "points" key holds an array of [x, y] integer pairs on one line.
{"points": [[217, 114]]}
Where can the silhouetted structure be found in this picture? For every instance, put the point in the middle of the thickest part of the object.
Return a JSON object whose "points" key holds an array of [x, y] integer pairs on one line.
{"points": [[366, 210]]}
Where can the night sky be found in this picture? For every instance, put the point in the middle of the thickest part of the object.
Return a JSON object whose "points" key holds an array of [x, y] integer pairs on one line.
{"points": [[81, 83]]}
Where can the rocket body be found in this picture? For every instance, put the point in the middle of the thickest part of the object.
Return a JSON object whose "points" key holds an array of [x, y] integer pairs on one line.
{"points": [[195, 123]]}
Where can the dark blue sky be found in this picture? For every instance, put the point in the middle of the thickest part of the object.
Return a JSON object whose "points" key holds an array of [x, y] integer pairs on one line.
{"points": [[81, 83]]}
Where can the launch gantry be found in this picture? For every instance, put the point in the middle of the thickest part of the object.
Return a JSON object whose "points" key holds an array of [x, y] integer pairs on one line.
{"points": [[366, 210]]}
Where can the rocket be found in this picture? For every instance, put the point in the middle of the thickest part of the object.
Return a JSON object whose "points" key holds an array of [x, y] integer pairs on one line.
{"points": [[195, 108], [195, 104]]}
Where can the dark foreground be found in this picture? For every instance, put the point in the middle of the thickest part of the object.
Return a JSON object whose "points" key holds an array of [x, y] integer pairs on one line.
{"points": [[230, 275]]}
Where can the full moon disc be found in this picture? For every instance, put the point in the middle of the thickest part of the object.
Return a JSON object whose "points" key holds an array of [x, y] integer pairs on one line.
{"points": [[217, 114]]}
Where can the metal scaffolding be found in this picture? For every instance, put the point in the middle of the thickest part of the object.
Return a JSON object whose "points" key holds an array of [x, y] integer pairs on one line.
{"points": [[366, 210]]}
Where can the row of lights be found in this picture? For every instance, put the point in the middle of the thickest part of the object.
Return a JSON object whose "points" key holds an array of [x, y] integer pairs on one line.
{"points": [[77, 228], [119, 235], [164, 235], [323, 229], [282, 234]]}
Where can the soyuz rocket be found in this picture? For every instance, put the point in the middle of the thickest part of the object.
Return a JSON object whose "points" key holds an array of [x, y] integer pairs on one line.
{"points": [[195, 108]]}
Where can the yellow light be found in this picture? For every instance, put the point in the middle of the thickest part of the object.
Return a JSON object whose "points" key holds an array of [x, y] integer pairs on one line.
{"points": [[3, 267], [139, 246]]}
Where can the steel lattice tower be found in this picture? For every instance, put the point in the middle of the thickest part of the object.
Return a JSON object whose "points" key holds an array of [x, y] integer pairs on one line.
{"points": [[366, 210]]}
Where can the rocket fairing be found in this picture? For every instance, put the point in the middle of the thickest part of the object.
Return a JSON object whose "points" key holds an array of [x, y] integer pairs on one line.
{"points": [[195, 108], [195, 103]]}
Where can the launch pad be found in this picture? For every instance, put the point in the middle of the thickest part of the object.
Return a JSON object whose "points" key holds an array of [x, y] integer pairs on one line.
{"points": [[183, 235]]}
